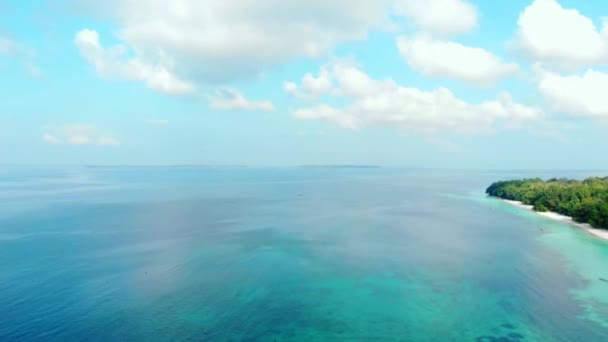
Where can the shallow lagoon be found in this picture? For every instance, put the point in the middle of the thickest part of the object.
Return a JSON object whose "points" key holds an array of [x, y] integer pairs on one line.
{"points": [[289, 254]]}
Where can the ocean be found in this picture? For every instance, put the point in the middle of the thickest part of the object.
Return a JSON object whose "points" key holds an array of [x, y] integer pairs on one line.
{"points": [[289, 254]]}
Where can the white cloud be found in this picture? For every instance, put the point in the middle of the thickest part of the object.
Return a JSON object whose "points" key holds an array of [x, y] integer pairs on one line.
{"points": [[51, 139], [439, 17], [231, 99], [77, 135], [311, 87], [583, 95], [221, 41], [290, 87], [317, 85], [114, 63], [384, 102], [563, 38], [326, 112], [446, 59]]}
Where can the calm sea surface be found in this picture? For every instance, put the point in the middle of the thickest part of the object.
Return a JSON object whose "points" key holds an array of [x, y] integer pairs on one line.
{"points": [[293, 254]]}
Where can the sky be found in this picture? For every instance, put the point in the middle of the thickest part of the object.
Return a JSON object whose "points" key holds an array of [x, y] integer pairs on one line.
{"points": [[517, 84]]}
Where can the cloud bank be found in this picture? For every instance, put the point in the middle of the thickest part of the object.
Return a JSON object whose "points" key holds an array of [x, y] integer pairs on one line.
{"points": [[373, 102]]}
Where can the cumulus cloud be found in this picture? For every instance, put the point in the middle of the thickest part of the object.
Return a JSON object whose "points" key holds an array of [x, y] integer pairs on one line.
{"points": [[439, 17], [114, 63], [317, 85], [564, 40], [290, 87], [231, 99], [559, 37], [77, 135], [582, 95], [311, 87], [173, 46], [220, 41], [384, 102], [446, 59]]}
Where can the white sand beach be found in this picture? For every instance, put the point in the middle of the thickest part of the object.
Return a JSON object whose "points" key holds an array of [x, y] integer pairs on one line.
{"points": [[599, 233]]}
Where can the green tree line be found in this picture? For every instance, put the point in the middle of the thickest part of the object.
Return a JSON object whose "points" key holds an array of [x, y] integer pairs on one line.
{"points": [[585, 201]]}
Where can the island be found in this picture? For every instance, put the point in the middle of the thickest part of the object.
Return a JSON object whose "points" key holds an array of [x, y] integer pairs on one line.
{"points": [[586, 201]]}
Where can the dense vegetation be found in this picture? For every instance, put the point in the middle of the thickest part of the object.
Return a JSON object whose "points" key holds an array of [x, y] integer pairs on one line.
{"points": [[585, 201]]}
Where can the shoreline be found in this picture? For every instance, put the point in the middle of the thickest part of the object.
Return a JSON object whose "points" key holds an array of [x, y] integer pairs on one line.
{"points": [[598, 233]]}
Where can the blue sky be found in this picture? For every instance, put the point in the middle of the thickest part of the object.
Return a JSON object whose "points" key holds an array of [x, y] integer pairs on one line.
{"points": [[440, 83]]}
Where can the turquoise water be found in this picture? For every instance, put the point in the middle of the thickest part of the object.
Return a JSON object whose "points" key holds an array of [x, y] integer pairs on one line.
{"points": [[294, 254]]}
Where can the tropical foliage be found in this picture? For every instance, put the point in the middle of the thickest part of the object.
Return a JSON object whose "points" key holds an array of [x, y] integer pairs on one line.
{"points": [[585, 201]]}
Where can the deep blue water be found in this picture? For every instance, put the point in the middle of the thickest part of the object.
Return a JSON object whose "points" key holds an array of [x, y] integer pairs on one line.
{"points": [[171, 254]]}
